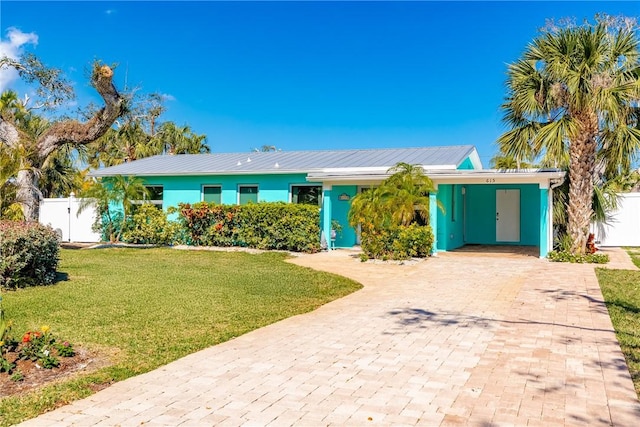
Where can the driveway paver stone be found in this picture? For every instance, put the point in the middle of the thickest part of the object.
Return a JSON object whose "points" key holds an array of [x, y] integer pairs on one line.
{"points": [[453, 340]]}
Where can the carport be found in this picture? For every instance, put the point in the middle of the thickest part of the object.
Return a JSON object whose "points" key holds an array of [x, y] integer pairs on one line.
{"points": [[495, 207]]}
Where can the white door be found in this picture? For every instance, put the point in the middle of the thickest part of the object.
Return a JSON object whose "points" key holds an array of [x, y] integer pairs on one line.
{"points": [[507, 215]]}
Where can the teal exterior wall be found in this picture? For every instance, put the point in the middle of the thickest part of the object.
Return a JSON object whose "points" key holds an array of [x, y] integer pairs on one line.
{"points": [[466, 164], [188, 189], [480, 217], [450, 218]]}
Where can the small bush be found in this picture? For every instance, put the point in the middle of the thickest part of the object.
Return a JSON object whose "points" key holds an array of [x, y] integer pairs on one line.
{"points": [[566, 256], [397, 243], [280, 226], [28, 254], [149, 225]]}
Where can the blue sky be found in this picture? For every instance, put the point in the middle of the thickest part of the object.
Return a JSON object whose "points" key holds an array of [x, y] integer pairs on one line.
{"points": [[301, 75]]}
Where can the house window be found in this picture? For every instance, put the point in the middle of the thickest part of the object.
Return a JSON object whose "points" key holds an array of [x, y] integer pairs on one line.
{"points": [[212, 194], [247, 194], [154, 195], [306, 194]]}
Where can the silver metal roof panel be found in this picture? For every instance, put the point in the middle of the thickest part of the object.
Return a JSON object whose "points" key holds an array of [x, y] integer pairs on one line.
{"points": [[448, 157]]}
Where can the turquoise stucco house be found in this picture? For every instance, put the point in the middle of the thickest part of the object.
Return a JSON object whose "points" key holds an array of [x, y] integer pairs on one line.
{"points": [[481, 206]]}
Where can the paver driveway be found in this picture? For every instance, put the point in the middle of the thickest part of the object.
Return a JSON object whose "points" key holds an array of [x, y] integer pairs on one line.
{"points": [[455, 340]]}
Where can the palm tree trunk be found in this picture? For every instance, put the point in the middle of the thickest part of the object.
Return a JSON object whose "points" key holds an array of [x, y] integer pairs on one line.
{"points": [[582, 151]]}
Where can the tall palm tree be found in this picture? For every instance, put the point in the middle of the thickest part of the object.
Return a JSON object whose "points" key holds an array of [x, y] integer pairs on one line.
{"points": [[572, 99], [173, 139]]}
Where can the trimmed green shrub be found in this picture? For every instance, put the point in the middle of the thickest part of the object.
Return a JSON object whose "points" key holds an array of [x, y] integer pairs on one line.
{"points": [[566, 256], [149, 225], [283, 226], [28, 254], [402, 242]]}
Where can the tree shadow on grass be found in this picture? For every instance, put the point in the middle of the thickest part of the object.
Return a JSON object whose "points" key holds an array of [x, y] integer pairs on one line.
{"points": [[61, 276]]}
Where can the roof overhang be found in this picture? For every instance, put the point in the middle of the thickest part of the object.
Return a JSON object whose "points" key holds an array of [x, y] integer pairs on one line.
{"points": [[381, 171], [543, 177]]}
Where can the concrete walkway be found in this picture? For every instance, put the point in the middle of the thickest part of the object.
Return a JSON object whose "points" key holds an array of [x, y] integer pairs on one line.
{"points": [[454, 340]]}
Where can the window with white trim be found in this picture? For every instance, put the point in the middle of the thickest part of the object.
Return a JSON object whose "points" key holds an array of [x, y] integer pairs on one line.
{"points": [[247, 194], [212, 194], [306, 194]]}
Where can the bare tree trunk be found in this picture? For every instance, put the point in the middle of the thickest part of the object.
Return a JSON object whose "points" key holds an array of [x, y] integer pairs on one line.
{"points": [[8, 133], [582, 152], [66, 132], [27, 183]]}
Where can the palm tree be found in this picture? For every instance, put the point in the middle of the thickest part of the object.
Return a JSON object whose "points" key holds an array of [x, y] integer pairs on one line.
{"points": [[9, 167], [405, 194], [115, 198], [172, 139], [366, 210], [509, 162], [398, 201], [572, 99]]}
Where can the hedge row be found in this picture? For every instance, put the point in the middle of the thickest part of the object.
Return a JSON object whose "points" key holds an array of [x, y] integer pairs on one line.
{"points": [[28, 254], [282, 226]]}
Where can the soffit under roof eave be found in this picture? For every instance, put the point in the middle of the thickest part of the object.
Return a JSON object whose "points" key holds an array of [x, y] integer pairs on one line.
{"points": [[484, 177], [97, 174]]}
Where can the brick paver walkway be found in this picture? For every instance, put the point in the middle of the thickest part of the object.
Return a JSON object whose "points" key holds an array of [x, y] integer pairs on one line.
{"points": [[454, 340]]}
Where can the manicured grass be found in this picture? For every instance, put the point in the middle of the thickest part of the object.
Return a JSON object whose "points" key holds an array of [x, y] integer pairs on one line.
{"points": [[146, 307], [621, 291]]}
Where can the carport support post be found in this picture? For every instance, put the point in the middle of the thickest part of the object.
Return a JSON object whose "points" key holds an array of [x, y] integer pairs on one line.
{"points": [[433, 218], [544, 219], [326, 214]]}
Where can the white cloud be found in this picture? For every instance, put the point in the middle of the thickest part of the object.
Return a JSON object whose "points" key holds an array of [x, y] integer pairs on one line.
{"points": [[110, 11], [168, 97], [12, 47]]}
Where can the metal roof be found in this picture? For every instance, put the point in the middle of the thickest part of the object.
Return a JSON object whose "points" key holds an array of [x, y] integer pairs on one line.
{"points": [[449, 157]]}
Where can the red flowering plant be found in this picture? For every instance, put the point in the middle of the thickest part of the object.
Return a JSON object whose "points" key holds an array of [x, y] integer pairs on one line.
{"points": [[39, 347]]}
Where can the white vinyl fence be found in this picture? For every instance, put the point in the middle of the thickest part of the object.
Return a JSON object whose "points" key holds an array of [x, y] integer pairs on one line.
{"points": [[62, 215], [623, 229]]}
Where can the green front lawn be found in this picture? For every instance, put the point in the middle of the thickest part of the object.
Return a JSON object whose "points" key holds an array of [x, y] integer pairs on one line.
{"points": [[621, 291], [144, 308]]}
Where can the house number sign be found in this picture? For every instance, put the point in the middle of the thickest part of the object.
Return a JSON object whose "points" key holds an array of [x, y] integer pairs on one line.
{"points": [[344, 197]]}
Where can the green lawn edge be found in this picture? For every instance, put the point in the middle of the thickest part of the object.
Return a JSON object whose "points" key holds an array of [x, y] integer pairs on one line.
{"points": [[159, 304], [621, 292]]}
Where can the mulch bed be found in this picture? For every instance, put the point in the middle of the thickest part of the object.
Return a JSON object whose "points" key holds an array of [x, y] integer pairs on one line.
{"points": [[35, 376]]}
